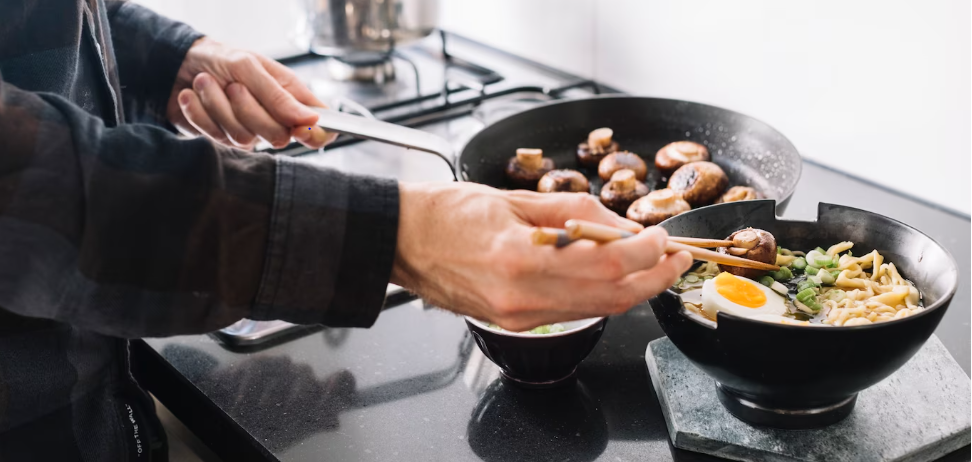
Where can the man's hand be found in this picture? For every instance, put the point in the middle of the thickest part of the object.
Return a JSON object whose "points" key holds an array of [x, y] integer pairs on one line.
{"points": [[467, 248], [236, 97]]}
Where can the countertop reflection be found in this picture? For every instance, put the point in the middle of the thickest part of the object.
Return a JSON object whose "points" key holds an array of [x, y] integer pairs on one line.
{"points": [[424, 391]]}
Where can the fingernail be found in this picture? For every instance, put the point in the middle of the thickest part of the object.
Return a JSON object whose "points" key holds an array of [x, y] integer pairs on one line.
{"points": [[183, 98], [202, 81], [318, 137], [302, 133], [232, 90]]}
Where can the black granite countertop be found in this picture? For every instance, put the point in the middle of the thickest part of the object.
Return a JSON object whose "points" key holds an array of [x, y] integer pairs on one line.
{"points": [[414, 387]]}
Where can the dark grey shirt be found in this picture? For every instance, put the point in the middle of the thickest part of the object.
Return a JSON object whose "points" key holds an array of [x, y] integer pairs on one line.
{"points": [[112, 227]]}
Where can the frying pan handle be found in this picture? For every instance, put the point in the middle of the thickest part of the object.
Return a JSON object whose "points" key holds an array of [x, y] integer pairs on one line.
{"points": [[385, 132]]}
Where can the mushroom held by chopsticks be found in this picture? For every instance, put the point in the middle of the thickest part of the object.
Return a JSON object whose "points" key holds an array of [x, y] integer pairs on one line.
{"points": [[699, 183], [581, 229], [622, 160], [526, 169], [599, 144], [738, 193], [622, 190], [674, 155], [656, 207], [753, 244], [563, 181]]}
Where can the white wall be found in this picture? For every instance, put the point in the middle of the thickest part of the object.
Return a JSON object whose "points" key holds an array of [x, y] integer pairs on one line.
{"points": [[877, 89], [265, 26], [880, 90]]}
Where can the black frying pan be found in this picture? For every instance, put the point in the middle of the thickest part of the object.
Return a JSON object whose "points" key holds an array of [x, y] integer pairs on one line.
{"points": [[751, 152]]}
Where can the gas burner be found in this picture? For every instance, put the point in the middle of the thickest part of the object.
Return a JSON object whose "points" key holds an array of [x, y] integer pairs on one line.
{"points": [[376, 71]]}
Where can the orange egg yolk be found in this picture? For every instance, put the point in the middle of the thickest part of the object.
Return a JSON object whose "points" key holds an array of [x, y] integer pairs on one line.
{"points": [[739, 291]]}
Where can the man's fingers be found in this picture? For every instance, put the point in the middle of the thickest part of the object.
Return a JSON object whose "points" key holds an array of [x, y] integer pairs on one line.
{"points": [[287, 79], [278, 102], [195, 113], [312, 136], [610, 261], [251, 114], [554, 209], [218, 107], [646, 284]]}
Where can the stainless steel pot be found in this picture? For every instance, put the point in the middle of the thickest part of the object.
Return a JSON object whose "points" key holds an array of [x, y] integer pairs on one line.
{"points": [[364, 31]]}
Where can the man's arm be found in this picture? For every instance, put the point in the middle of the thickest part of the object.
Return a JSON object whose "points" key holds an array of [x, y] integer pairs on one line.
{"points": [[132, 231], [149, 49]]}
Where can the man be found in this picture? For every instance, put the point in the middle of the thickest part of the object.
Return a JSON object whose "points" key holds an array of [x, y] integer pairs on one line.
{"points": [[112, 226]]}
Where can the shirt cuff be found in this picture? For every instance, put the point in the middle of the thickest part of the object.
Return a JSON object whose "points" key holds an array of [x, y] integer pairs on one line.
{"points": [[331, 246]]}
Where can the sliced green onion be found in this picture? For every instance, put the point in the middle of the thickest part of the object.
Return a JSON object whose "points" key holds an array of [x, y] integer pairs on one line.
{"points": [[548, 329], [821, 262], [784, 274], [806, 309], [835, 273], [779, 250], [691, 278], [805, 294], [779, 288], [809, 298], [799, 264], [767, 281], [812, 257], [821, 250], [811, 270], [826, 277], [807, 284]]}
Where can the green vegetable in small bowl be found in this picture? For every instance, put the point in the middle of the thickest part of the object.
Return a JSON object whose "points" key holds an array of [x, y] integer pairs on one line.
{"points": [[539, 330]]}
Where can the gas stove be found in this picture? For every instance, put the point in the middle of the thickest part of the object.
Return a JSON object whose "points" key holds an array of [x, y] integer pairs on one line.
{"points": [[445, 84]]}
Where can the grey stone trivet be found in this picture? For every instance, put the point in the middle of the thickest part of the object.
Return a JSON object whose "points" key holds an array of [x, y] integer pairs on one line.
{"points": [[920, 413]]}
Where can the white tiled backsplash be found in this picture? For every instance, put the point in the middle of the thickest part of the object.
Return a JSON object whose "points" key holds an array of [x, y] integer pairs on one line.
{"points": [[881, 90]]}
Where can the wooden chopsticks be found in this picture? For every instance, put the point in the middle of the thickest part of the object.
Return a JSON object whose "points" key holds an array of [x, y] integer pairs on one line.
{"points": [[580, 229]]}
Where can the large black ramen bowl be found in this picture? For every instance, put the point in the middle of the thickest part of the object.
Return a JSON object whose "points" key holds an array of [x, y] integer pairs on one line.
{"points": [[788, 376], [538, 361]]}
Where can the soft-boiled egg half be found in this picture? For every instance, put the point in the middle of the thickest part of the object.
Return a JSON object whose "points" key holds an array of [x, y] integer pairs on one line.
{"points": [[739, 296]]}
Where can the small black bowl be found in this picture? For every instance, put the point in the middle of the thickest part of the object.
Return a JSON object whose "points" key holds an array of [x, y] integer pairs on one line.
{"points": [[538, 361], [788, 376]]}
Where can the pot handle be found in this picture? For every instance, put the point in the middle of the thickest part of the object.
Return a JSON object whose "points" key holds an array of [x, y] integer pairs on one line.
{"points": [[385, 132]]}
